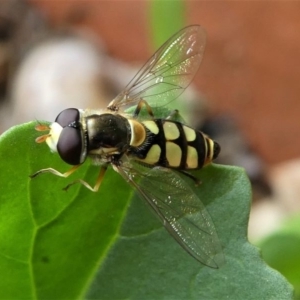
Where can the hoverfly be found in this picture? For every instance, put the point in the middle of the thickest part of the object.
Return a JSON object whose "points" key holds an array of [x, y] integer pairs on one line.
{"points": [[148, 152]]}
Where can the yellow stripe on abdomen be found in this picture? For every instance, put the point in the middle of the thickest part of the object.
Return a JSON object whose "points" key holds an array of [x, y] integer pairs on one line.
{"points": [[152, 126], [173, 154], [190, 133], [192, 158], [171, 131], [153, 155]]}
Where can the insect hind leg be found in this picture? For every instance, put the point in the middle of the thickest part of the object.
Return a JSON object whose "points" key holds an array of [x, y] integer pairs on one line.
{"points": [[139, 108], [195, 179], [173, 115]]}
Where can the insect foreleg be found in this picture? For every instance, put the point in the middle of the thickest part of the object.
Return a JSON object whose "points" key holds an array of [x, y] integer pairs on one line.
{"points": [[96, 186], [139, 107], [55, 172]]}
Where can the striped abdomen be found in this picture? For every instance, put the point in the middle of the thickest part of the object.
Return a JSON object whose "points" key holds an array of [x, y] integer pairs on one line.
{"points": [[174, 145]]}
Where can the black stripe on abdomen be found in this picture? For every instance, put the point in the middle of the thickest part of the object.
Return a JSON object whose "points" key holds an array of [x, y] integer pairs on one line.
{"points": [[200, 145]]}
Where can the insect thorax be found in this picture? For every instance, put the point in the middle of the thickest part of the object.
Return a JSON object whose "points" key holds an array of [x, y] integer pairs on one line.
{"points": [[107, 133]]}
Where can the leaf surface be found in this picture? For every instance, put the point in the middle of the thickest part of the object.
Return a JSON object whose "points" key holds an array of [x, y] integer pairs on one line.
{"points": [[108, 245]]}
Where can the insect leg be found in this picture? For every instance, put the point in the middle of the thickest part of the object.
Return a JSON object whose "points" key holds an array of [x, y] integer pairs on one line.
{"points": [[96, 186], [55, 172], [173, 115], [195, 179], [139, 107]]}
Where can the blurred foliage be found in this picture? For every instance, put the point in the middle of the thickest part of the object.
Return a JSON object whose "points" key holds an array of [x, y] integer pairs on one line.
{"points": [[281, 251], [165, 18]]}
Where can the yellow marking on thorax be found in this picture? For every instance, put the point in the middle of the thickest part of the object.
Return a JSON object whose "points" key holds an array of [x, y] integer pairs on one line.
{"points": [[192, 158], [171, 131], [138, 133], [151, 125], [189, 133], [173, 154]]}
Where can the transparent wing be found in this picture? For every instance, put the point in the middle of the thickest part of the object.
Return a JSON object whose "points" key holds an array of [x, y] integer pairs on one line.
{"points": [[168, 72], [180, 210]]}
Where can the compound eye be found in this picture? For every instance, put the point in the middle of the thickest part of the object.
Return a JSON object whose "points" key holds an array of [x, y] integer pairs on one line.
{"points": [[69, 145], [68, 116]]}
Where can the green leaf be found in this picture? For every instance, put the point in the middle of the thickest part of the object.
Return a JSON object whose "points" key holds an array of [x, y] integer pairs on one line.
{"points": [[281, 251], [108, 245], [165, 18]]}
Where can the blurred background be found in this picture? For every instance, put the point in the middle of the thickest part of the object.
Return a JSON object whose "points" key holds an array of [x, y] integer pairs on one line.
{"points": [[59, 54]]}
